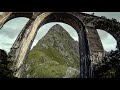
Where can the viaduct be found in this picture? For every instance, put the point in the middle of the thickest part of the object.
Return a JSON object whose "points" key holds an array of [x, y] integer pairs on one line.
{"points": [[90, 47]]}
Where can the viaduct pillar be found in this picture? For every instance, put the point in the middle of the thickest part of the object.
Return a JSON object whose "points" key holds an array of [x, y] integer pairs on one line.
{"points": [[95, 47]]}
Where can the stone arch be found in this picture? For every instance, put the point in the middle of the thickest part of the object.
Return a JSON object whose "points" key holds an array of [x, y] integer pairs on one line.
{"points": [[29, 32], [67, 18], [111, 27], [22, 14], [79, 26], [6, 16], [22, 44], [107, 25]]}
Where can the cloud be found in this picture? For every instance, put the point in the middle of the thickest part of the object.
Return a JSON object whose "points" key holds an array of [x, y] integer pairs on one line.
{"points": [[6, 43], [10, 31], [108, 41], [17, 23], [103, 34], [12, 28]]}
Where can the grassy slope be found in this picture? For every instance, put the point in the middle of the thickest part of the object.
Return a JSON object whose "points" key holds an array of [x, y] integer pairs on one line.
{"points": [[51, 66], [49, 62]]}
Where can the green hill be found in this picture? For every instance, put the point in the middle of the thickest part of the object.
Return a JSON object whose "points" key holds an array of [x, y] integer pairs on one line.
{"points": [[53, 55]]}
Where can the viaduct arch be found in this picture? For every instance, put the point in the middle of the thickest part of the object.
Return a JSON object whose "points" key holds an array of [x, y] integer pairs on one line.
{"points": [[90, 46]]}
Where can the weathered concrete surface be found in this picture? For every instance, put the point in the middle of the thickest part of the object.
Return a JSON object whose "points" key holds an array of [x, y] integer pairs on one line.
{"points": [[91, 50]]}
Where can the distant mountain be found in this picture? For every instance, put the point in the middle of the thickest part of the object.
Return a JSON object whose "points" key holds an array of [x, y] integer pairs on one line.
{"points": [[56, 55]]}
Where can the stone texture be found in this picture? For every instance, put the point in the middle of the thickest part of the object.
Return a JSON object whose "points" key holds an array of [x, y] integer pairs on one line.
{"points": [[77, 20], [71, 72]]}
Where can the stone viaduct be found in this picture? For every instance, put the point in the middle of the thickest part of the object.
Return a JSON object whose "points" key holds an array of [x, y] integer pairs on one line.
{"points": [[90, 47]]}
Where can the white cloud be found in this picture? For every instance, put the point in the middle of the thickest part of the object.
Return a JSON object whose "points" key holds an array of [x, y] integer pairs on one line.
{"points": [[108, 41], [6, 43], [10, 31]]}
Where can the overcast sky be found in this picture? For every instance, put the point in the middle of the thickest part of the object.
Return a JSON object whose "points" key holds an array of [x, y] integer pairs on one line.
{"points": [[12, 28]]}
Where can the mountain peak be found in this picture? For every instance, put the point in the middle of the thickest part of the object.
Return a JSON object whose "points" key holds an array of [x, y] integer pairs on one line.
{"points": [[54, 55], [57, 32], [57, 29], [57, 35], [57, 26]]}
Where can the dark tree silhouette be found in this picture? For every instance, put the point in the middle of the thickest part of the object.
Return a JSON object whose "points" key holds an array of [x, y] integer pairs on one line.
{"points": [[110, 67], [5, 72]]}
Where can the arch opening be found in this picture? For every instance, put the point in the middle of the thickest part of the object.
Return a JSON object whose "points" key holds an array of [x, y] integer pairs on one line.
{"points": [[110, 28], [10, 31], [18, 15], [64, 18], [62, 50], [45, 28], [108, 41]]}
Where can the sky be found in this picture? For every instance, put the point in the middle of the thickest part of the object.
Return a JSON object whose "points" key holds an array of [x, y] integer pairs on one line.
{"points": [[10, 31]]}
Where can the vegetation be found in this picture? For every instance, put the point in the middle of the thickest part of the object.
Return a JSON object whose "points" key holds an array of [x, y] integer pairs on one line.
{"points": [[5, 72], [49, 69], [48, 60], [110, 67]]}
